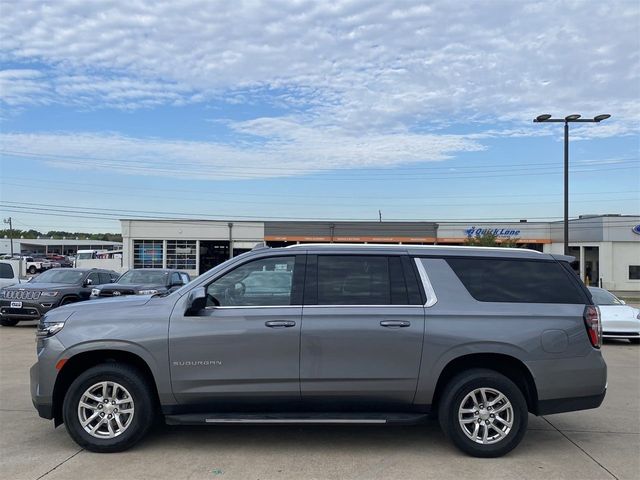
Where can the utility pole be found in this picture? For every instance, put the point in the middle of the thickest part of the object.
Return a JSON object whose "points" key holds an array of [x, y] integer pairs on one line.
{"points": [[380, 215], [8, 220]]}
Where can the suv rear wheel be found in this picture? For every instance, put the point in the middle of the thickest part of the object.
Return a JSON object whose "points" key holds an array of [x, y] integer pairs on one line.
{"points": [[108, 408], [483, 413]]}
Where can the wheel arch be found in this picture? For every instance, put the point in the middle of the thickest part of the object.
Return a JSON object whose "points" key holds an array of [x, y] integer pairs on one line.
{"points": [[509, 366], [82, 361]]}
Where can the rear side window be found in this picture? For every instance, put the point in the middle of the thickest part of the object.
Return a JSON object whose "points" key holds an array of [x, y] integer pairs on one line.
{"points": [[361, 280], [6, 271], [519, 281]]}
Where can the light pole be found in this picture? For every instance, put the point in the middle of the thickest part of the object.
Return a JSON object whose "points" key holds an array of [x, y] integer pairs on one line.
{"points": [[8, 221], [546, 118]]}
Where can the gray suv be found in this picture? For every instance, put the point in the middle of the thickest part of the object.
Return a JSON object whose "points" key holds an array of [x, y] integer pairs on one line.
{"points": [[319, 334]]}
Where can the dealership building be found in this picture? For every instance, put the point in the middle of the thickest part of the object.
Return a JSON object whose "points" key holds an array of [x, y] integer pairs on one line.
{"points": [[607, 247], [45, 246]]}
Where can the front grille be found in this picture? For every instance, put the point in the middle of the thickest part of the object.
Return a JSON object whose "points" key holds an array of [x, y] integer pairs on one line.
{"points": [[21, 294], [110, 293]]}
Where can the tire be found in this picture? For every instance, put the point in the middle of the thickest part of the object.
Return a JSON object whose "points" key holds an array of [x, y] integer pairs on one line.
{"points": [[8, 322], [634, 341], [68, 300], [32, 270], [132, 386], [457, 394]]}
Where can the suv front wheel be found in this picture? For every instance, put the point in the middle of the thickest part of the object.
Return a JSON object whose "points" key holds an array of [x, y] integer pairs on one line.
{"points": [[483, 413], [108, 408]]}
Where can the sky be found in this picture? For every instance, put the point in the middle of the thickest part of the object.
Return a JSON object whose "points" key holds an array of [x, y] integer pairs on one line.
{"points": [[314, 110]]}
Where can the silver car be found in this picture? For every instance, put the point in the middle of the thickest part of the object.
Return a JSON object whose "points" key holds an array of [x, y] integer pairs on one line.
{"points": [[326, 334]]}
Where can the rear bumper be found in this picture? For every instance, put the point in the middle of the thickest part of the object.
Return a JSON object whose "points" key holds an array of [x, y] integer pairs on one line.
{"points": [[567, 384], [561, 405]]}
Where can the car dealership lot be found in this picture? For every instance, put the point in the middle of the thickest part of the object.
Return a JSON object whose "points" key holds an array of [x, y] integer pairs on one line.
{"points": [[602, 443]]}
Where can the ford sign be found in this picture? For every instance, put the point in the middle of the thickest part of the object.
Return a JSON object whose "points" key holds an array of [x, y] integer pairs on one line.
{"points": [[636, 229]]}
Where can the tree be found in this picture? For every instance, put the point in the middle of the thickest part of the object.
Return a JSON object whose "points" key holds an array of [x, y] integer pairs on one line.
{"points": [[489, 239]]}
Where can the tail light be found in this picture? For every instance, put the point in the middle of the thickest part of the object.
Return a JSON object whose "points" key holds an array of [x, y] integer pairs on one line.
{"points": [[593, 324]]}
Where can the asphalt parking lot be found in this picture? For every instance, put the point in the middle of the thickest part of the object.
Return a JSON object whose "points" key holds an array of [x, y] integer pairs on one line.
{"points": [[595, 444]]}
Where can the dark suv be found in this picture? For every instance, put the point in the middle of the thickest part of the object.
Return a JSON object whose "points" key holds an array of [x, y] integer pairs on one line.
{"points": [[143, 281], [50, 289]]}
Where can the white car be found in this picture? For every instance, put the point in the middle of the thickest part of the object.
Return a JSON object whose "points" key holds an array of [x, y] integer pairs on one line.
{"points": [[618, 319], [9, 273]]}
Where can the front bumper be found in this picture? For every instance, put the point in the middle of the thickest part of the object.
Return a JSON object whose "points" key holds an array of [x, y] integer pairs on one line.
{"points": [[621, 334], [43, 375], [30, 310], [43, 404]]}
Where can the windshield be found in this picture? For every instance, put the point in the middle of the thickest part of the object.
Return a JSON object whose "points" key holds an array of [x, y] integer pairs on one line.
{"points": [[147, 277], [602, 297], [59, 276], [85, 256]]}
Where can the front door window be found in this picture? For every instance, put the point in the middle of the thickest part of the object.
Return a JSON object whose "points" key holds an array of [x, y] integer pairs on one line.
{"points": [[264, 282]]}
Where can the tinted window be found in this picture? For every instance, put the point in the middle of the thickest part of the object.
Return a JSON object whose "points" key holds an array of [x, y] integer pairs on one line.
{"points": [[6, 271], [185, 278], [144, 277], [94, 277], [105, 278], [496, 280], [59, 275], [261, 282], [355, 280], [176, 279]]}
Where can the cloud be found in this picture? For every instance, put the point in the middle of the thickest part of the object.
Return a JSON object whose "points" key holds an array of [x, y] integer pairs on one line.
{"points": [[287, 150], [23, 87], [363, 67]]}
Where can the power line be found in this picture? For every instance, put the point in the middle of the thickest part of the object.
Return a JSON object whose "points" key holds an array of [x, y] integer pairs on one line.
{"points": [[329, 175], [79, 212]]}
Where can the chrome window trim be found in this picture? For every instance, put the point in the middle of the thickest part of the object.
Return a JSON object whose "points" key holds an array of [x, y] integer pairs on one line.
{"points": [[364, 306], [312, 306], [426, 283], [228, 307]]}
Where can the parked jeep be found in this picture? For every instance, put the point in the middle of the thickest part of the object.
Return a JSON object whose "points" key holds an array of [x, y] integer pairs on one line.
{"points": [[320, 334], [50, 289]]}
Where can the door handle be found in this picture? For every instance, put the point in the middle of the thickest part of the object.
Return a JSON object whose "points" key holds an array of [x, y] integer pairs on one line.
{"points": [[280, 323], [395, 323]]}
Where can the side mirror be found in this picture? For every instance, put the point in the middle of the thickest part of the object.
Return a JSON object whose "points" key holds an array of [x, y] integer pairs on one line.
{"points": [[88, 282], [197, 301]]}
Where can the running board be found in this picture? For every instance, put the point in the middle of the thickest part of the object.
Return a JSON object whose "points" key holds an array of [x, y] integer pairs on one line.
{"points": [[307, 418]]}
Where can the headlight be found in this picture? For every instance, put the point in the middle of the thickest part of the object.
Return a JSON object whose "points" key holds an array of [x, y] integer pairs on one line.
{"points": [[147, 292], [95, 292], [48, 329], [49, 294]]}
